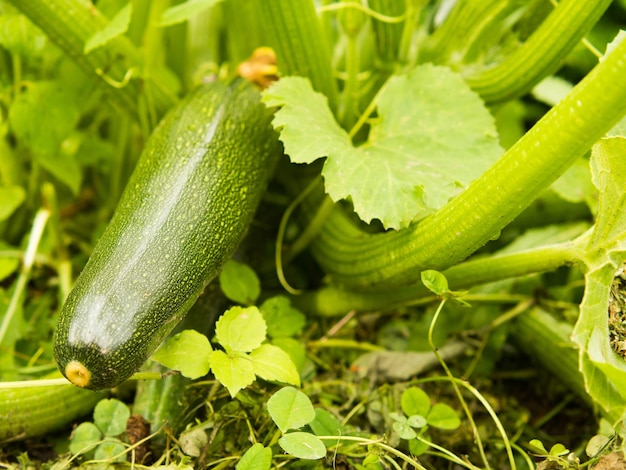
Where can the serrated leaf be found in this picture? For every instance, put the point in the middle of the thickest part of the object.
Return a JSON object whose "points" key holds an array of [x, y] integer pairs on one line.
{"points": [[241, 329], [303, 445], [290, 409], [281, 317], [256, 457], [110, 415], [239, 283], [188, 352], [415, 401], [443, 416], [272, 363], [235, 372], [432, 137], [185, 11], [11, 198], [114, 28], [84, 437]]}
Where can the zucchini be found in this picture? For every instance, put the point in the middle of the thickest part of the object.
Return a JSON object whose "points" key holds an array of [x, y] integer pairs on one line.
{"points": [[185, 209], [35, 411]]}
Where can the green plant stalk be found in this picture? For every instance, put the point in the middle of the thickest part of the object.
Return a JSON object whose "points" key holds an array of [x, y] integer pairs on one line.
{"points": [[34, 411], [63, 263], [547, 340], [39, 224], [387, 35], [69, 24], [358, 260], [333, 300], [541, 54], [292, 28], [460, 29]]}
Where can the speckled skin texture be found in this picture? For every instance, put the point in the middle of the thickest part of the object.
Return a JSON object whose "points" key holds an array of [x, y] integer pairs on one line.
{"points": [[184, 211]]}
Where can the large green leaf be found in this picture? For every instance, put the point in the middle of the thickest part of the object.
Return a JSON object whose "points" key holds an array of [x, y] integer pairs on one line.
{"points": [[431, 138]]}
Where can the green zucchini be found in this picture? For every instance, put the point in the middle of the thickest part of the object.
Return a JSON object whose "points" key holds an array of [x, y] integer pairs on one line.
{"points": [[34, 411], [185, 209]]}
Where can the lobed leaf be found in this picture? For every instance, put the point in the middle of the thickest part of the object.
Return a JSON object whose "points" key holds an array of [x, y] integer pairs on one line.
{"points": [[432, 137]]}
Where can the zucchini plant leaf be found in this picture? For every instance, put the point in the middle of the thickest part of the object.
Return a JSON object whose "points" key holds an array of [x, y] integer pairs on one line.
{"points": [[431, 138], [188, 352], [116, 27], [241, 329], [597, 332], [272, 363], [234, 371]]}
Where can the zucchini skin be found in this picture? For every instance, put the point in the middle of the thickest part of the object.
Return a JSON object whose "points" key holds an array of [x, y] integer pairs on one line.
{"points": [[35, 411], [185, 209]]}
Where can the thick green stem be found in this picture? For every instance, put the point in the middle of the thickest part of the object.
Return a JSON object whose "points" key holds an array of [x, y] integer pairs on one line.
{"points": [[70, 23], [388, 35], [362, 261], [541, 54], [462, 28], [333, 300], [293, 30], [548, 342]]}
